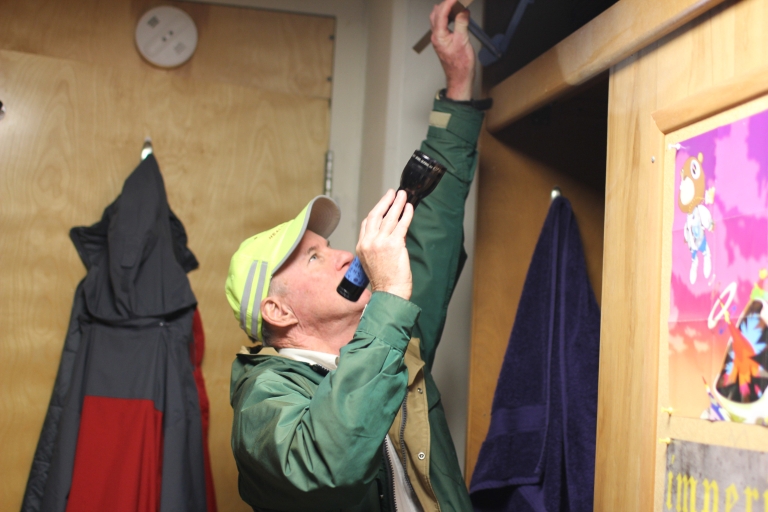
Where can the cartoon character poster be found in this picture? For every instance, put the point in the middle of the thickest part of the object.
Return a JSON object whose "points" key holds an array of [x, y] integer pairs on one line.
{"points": [[718, 321]]}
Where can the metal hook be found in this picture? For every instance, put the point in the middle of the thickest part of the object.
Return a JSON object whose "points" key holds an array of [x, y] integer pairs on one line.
{"points": [[2, 110], [556, 192], [146, 149]]}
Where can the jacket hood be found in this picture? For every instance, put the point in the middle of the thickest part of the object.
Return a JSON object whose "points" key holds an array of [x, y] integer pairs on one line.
{"points": [[136, 256]]}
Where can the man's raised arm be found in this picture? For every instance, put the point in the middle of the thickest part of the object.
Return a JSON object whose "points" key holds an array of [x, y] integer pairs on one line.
{"points": [[436, 237]]}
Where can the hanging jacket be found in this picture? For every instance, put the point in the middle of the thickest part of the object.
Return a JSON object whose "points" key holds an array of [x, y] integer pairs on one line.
{"points": [[306, 439], [124, 431], [539, 453]]}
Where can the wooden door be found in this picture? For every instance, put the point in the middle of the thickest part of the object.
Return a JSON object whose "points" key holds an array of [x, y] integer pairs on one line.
{"points": [[240, 133], [706, 60]]}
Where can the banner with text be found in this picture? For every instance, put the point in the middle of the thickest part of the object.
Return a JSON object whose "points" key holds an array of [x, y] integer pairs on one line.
{"points": [[708, 478]]}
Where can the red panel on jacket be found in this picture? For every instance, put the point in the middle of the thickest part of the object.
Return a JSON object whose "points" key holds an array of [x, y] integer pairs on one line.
{"points": [[118, 465], [196, 354]]}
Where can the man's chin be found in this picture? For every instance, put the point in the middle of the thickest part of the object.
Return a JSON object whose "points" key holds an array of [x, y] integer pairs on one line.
{"points": [[361, 302]]}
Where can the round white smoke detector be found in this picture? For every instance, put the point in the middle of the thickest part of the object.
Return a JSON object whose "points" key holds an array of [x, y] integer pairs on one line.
{"points": [[166, 36]]}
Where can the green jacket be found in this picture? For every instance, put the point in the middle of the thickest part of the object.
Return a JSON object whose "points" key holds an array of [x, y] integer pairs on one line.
{"points": [[306, 439]]}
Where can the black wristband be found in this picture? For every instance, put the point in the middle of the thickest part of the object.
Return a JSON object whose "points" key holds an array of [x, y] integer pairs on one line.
{"points": [[477, 104]]}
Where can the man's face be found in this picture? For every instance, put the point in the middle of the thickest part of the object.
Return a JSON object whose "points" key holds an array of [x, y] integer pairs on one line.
{"points": [[309, 279]]}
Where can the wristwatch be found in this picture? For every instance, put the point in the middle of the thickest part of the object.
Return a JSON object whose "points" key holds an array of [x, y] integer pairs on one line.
{"points": [[484, 104]]}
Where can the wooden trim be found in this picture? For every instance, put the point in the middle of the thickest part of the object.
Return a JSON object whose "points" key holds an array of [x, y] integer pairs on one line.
{"points": [[623, 29], [627, 387], [714, 100]]}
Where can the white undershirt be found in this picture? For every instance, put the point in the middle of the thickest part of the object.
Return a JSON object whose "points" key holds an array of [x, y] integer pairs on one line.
{"points": [[328, 361], [405, 501]]}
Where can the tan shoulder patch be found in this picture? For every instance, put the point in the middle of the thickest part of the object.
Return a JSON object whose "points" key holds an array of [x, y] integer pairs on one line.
{"points": [[439, 119]]}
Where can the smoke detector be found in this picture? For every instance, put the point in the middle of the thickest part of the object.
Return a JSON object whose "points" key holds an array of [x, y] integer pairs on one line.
{"points": [[166, 36]]}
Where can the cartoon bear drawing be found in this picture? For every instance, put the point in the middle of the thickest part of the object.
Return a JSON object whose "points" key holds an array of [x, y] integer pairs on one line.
{"points": [[698, 217]]}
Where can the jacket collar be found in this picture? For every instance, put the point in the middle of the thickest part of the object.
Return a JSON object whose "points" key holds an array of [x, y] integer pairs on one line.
{"points": [[327, 361]]}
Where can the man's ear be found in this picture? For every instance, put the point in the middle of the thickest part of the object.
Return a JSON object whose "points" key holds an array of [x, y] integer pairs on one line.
{"points": [[275, 311]]}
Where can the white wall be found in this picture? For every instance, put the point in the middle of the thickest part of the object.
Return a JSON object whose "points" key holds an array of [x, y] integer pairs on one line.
{"points": [[380, 104]]}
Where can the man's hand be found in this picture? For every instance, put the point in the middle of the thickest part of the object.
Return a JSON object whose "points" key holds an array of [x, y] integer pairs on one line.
{"points": [[381, 247], [454, 51]]}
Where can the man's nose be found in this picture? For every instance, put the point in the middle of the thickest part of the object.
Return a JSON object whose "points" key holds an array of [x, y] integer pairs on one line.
{"points": [[343, 259]]}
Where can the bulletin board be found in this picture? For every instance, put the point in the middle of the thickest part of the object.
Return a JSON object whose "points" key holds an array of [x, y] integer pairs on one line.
{"points": [[712, 380]]}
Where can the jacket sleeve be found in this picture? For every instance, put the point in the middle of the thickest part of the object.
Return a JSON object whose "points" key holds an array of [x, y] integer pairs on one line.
{"points": [[436, 236], [302, 451]]}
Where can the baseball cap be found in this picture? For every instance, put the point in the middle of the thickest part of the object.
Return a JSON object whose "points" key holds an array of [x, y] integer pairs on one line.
{"points": [[261, 256]]}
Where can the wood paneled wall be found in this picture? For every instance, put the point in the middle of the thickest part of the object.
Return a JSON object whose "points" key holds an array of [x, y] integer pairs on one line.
{"points": [[240, 133]]}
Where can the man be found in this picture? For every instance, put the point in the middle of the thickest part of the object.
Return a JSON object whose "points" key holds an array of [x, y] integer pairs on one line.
{"points": [[339, 411]]}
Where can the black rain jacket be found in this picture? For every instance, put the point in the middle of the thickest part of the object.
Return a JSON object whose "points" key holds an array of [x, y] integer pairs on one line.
{"points": [[127, 347]]}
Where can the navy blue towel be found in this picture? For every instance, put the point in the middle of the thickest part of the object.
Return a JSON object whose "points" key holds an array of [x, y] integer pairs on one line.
{"points": [[539, 454]]}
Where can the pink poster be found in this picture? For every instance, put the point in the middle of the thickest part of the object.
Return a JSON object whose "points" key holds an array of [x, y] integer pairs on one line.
{"points": [[718, 319]]}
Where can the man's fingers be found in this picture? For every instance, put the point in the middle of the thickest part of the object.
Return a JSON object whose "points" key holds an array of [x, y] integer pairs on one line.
{"points": [[402, 226], [377, 213], [461, 23], [433, 17], [390, 219], [439, 18]]}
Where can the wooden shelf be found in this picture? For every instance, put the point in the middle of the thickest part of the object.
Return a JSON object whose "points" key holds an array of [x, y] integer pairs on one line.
{"points": [[625, 28]]}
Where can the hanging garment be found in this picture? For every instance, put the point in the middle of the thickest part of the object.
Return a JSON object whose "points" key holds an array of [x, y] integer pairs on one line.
{"points": [[196, 355], [539, 454], [124, 430]]}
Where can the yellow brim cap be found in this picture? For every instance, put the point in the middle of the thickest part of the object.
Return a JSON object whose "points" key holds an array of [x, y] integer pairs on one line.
{"points": [[261, 256]]}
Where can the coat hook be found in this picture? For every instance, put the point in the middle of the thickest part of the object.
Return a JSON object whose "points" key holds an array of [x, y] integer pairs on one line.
{"points": [[146, 149], [556, 192], [2, 110], [667, 410]]}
